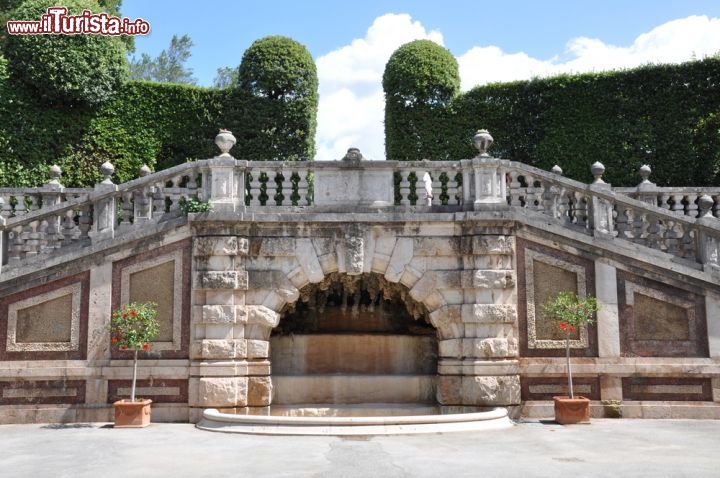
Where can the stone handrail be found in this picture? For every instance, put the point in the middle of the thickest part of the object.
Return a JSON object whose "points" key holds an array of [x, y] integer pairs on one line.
{"points": [[105, 211], [599, 210], [47, 219]]}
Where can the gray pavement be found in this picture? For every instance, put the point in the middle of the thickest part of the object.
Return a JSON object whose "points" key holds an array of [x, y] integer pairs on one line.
{"points": [[612, 448]]}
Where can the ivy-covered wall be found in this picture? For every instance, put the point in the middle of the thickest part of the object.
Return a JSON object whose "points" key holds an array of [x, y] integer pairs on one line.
{"points": [[662, 115]]}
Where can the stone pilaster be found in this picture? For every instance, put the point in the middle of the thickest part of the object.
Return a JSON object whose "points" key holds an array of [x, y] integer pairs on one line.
{"points": [[219, 349], [479, 346]]}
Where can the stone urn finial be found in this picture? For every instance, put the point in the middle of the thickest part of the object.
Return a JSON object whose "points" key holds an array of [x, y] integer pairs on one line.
{"points": [[353, 154], [645, 172], [557, 170], [225, 141], [482, 141], [107, 170], [597, 170], [145, 170], [54, 172]]}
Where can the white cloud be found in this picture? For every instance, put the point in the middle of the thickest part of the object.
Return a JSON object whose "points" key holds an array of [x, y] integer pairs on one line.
{"points": [[351, 105], [672, 42]]}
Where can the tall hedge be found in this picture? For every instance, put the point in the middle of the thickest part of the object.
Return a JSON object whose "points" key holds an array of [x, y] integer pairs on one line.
{"points": [[662, 115], [153, 123], [66, 69], [421, 78]]}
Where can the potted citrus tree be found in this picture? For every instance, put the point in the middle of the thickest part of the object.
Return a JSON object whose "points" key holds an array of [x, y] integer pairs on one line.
{"points": [[570, 312], [132, 327]]}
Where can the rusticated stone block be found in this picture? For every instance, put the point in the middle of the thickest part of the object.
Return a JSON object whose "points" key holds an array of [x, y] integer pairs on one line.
{"points": [[258, 349], [218, 314], [488, 279], [223, 349], [452, 348], [220, 246], [276, 246], [448, 322], [259, 391], [491, 390], [223, 392], [490, 348], [436, 246], [354, 255], [261, 315], [449, 390], [488, 313], [490, 245], [223, 280]]}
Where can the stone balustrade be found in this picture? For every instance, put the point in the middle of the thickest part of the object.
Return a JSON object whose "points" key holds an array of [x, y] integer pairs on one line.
{"points": [[677, 221]]}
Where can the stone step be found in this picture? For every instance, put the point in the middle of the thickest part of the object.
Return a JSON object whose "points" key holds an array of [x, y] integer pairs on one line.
{"points": [[353, 354], [351, 389]]}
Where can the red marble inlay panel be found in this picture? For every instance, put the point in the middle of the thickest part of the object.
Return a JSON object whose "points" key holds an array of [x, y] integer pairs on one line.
{"points": [[651, 336], [159, 390], [545, 388], [667, 389], [84, 279], [186, 247], [589, 267], [42, 392]]}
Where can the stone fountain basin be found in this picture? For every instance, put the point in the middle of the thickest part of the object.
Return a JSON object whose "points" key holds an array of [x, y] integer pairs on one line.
{"points": [[323, 421]]}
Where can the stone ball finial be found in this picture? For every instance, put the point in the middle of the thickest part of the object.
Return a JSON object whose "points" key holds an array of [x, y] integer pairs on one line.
{"points": [[107, 170], [225, 141], [54, 172], [353, 154], [557, 170], [705, 204], [597, 170], [145, 170], [482, 141]]}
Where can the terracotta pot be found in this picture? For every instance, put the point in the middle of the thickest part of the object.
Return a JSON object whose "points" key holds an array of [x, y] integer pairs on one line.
{"points": [[132, 414], [572, 410]]}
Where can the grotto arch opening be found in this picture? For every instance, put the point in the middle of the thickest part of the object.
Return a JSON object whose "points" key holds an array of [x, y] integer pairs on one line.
{"points": [[351, 340]]}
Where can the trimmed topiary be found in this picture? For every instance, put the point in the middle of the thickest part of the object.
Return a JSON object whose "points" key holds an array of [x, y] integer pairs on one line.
{"points": [[420, 80], [421, 72], [273, 109], [66, 69]]}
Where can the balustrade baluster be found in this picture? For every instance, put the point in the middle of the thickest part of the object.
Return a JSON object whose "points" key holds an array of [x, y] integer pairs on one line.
{"points": [[653, 232], [670, 238], [70, 230], [85, 221], [287, 187], [580, 210], [678, 207], [20, 207], [16, 244], [437, 188], [691, 209], [404, 187], [688, 244], [515, 191], [622, 223], [127, 209], [158, 200], [303, 188]]}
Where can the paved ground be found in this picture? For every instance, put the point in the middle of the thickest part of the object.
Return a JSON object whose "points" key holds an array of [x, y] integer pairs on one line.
{"points": [[612, 448]]}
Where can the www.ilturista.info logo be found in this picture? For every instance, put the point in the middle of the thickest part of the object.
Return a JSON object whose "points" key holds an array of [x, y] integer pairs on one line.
{"points": [[57, 22]]}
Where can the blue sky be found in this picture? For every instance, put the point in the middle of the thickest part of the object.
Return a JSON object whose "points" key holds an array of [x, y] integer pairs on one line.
{"points": [[493, 41]]}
